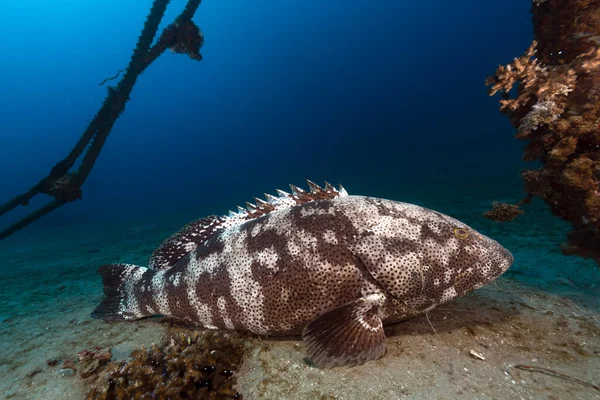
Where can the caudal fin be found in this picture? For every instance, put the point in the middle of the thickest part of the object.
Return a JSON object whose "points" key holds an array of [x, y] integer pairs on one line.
{"points": [[120, 300]]}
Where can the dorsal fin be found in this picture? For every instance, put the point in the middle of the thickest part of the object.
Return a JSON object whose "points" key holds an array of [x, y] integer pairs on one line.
{"points": [[198, 232], [285, 200], [187, 239]]}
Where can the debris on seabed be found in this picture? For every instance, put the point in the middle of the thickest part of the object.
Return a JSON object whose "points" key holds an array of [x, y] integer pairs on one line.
{"points": [[477, 355]]}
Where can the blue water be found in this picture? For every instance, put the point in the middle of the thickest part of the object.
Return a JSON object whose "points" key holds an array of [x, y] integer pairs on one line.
{"points": [[385, 97]]}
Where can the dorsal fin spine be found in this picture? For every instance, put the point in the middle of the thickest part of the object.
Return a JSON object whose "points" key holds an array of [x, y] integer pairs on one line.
{"points": [[282, 194], [271, 199], [314, 188], [261, 203], [296, 191], [342, 191]]}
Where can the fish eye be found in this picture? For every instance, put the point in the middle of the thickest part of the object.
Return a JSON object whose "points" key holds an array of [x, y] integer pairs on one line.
{"points": [[461, 233]]}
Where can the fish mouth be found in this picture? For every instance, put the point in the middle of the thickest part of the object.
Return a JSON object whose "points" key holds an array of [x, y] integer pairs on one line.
{"points": [[497, 258], [510, 259], [502, 258]]}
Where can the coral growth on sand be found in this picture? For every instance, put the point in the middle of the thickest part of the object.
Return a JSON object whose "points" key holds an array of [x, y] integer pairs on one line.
{"points": [[196, 365], [556, 109], [91, 361]]}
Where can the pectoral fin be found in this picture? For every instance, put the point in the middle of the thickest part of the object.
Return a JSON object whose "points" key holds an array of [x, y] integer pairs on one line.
{"points": [[348, 335]]}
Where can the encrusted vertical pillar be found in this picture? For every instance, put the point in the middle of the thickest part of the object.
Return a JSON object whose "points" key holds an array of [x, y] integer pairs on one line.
{"points": [[556, 109]]}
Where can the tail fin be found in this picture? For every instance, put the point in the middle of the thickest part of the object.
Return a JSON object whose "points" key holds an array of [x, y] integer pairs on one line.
{"points": [[121, 300]]}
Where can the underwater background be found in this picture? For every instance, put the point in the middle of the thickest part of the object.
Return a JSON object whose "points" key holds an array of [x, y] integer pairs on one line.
{"points": [[385, 97]]}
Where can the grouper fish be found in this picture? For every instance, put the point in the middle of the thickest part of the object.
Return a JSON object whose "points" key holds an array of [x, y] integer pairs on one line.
{"points": [[323, 264]]}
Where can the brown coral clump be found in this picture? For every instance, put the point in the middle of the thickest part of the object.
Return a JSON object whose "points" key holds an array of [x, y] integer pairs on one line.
{"points": [[556, 109], [502, 212], [182, 37], [196, 365]]}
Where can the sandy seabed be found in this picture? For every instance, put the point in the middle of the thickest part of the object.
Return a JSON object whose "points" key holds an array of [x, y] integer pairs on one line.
{"points": [[546, 318]]}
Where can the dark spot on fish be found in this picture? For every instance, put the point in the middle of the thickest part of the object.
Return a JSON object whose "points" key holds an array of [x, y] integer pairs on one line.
{"points": [[208, 369], [144, 294], [227, 373], [205, 383]]}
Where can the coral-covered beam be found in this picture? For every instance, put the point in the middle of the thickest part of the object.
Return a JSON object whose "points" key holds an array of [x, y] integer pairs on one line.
{"points": [[182, 36]]}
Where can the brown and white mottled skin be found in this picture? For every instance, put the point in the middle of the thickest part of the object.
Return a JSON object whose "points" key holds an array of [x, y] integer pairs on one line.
{"points": [[279, 272]]}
